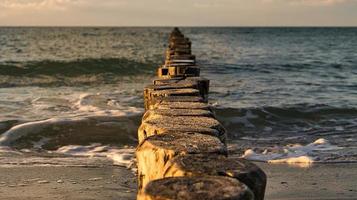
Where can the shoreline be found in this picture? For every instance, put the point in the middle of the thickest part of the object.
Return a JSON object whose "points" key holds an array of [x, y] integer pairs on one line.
{"points": [[318, 182]]}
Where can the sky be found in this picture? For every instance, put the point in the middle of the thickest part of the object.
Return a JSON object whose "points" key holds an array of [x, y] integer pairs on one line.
{"points": [[178, 12]]}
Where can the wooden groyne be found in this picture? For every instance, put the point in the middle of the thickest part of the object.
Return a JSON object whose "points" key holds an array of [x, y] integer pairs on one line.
{"points": [[182, 151]]}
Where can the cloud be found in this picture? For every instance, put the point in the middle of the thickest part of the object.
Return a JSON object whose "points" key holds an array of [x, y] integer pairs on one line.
{"points": [[37, 4], [179, 12], [311, 2], [65, 4], [59, 5]]}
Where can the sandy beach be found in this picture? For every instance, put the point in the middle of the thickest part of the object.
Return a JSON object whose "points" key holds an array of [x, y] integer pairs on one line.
{"points": [[71, 103], [319, 182], [66, 183]]}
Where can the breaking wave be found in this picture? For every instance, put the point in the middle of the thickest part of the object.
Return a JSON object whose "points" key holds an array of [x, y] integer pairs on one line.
{"points": [[78, 72], [297, 134], [54, 133], [288, 121]]}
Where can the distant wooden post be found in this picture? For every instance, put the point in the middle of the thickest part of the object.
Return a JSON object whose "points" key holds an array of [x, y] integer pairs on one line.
{"points": [[182, 152]]}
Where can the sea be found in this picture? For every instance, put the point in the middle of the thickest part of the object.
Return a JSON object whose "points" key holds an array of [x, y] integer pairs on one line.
{"points": [[73, 96]]}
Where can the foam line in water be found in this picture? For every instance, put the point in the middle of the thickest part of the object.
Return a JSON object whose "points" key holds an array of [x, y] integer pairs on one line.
{"points": [[120, 156], [293, 154], [100, 105]]}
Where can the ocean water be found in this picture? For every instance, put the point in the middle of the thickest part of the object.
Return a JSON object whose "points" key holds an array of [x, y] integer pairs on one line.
{"points": [[73, 96]]}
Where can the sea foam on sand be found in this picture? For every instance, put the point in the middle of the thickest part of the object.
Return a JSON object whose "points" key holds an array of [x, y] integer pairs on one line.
{"points": [[120, 156], [292, 154]]}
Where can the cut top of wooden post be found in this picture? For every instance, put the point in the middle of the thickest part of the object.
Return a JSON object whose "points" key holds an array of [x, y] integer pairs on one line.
{"points": [[179, 60], [189, 188]]}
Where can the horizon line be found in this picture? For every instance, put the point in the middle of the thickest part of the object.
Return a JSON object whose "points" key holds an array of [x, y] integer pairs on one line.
{"points": [[169, 26]]}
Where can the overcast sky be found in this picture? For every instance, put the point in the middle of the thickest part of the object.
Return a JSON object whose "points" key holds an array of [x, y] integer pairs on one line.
{"points": [[178, 12]]}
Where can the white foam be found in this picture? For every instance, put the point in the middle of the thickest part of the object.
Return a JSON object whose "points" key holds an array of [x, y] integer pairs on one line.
{"points": [[84, 103], [293, 153], [301, 161], [120, 156], [244, 119], [99, 104]]}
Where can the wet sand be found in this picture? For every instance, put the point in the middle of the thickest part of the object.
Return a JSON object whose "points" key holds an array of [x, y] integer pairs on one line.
{"points": [[319, 182], [66, 183]]}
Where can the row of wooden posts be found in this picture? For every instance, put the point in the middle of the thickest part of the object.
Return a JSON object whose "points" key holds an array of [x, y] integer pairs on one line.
{"points": [[182, 151]]}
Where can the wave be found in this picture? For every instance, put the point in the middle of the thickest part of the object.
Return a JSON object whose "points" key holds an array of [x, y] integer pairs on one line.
{"points": [[52, 72], [299, 133], [119, 66], [94, 155], [288, 120], [267, 125], [318, 68], [51, 134]]}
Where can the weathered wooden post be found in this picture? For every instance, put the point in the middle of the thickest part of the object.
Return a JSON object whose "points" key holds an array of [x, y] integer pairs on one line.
{"points": [[182, 152]]}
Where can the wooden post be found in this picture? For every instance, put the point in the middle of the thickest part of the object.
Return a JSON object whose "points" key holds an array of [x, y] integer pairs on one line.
{"points": [[182, 152]]}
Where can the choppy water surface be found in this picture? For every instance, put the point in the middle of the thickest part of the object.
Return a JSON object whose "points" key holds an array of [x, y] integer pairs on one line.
{"points": [[284, 94]]}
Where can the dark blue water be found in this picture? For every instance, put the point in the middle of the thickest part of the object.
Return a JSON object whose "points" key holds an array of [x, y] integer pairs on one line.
{"points": [[272, 87]]}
